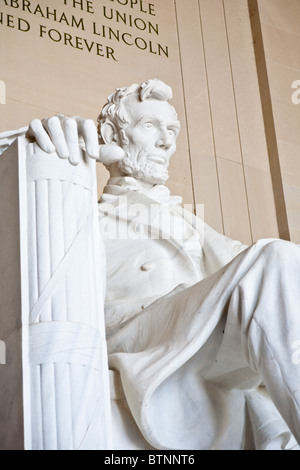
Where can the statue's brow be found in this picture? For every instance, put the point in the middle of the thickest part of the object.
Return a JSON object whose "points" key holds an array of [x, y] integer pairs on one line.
{"points": [[174, 124], [148, 117]]}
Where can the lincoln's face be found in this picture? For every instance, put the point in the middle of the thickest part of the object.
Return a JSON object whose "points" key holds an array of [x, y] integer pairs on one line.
{"points": [[151, 134]]}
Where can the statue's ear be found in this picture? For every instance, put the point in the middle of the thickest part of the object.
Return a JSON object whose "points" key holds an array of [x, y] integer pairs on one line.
{"points": [[109, 133]]}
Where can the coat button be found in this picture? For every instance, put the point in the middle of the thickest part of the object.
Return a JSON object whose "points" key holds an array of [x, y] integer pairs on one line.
{"points": [[148, 266]]}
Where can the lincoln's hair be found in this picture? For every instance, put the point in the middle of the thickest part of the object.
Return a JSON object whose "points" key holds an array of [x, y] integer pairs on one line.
{"points": [[115, 111]]}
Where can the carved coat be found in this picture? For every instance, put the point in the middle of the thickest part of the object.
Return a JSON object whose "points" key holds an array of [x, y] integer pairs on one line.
{"points": [[182, 381]]}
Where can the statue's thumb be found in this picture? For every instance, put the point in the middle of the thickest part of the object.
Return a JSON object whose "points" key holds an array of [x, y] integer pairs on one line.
{"points": [[110, 153]]}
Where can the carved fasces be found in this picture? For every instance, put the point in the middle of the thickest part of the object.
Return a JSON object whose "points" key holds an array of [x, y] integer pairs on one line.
{"points": [[66, 277], [54, 386]]}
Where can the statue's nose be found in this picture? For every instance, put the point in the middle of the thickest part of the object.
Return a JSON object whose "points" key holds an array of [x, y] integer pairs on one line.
{"points": [[164, 140]]}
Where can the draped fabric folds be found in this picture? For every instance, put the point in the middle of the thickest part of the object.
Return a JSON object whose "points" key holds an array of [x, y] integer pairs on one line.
{"points": [[192, 361]]}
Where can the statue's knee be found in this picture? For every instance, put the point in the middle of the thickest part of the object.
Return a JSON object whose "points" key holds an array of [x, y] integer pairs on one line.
{"points": [[280, 250]]}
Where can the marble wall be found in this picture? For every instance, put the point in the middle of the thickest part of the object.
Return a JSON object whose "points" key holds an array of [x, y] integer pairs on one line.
{"points": [[231, 64], [280, 30]]}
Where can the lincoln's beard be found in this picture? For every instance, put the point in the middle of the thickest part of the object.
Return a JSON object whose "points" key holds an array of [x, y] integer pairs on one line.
{"points": [[152, 173]]}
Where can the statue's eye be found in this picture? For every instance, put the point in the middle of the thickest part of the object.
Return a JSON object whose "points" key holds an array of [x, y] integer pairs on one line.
{"points": [[171, 132], [148, 125]]}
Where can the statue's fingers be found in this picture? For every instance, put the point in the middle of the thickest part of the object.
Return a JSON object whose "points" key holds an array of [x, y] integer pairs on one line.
{"points": [[38, 133], [71, 137], [56, 133], [87, 129]]}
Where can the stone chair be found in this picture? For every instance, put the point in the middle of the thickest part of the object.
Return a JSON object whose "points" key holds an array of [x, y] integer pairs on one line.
{"points": [[56, 391]]}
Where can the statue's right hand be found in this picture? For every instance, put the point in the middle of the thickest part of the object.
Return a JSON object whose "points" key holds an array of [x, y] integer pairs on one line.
{"points": [[61, 134]]}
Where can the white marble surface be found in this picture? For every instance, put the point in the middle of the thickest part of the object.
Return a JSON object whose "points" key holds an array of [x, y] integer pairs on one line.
{"points": [[192, 363], [201, 329], [61, 382]]}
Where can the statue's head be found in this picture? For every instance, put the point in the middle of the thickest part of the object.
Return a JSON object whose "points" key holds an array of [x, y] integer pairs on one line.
{"points": [[140, 120]]}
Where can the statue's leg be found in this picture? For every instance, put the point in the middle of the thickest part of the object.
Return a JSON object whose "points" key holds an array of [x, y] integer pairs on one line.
{"points": [[266, 307], [234, 330]]}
